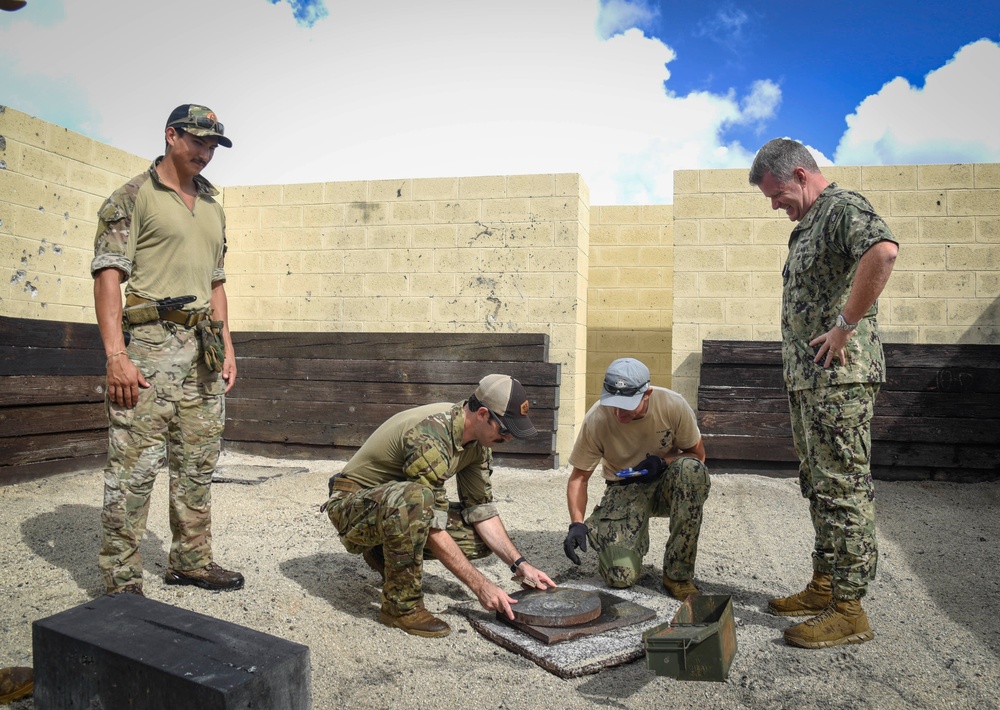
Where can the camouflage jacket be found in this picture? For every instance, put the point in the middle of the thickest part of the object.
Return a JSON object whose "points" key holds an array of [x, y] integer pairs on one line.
{"points": [[823, 254], [424, 445]]}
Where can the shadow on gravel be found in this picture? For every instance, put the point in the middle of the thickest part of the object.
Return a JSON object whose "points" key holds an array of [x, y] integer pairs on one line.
{"points": [[335, 578], [70, 537], [953, 548]]}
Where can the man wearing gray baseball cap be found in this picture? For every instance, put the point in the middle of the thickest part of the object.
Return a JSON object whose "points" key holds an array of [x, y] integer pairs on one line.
{"points": [[648, 443]]}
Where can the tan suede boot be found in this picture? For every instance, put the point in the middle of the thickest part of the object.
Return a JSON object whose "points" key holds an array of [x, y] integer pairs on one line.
{"points": [[418, 622], [809, 602], [679, 589], [844, 621]]}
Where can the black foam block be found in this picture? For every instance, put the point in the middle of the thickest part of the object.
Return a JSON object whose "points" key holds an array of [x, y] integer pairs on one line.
{"points": [[126, 651]]}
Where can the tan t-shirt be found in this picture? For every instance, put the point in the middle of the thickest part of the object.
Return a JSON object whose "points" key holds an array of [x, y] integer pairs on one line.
{"points": [[669, 422]]}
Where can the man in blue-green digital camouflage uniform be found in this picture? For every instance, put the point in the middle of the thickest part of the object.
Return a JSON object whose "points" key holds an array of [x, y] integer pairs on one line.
{"points": [[636, 425], [164, 235], [840, 257], [389, 504]]}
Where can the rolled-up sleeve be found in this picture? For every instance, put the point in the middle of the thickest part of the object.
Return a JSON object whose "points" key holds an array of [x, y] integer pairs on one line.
{"points": [[475, 489], [111, 242]]}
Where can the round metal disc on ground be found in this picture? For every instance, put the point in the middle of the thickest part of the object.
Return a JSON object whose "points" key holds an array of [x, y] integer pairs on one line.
{"points": [[561, 606]]}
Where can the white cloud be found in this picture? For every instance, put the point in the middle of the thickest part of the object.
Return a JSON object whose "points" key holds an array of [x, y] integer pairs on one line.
{"points": [[951, 119], [725, 27], [382, 89], [762, 102], [615, 16]]}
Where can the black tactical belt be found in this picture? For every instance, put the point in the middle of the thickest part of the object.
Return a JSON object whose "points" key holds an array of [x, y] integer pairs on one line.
{"points": [[634, 479]]}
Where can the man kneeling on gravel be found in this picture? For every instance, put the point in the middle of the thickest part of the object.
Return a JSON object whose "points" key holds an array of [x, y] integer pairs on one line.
{"points": [[389, 503]]}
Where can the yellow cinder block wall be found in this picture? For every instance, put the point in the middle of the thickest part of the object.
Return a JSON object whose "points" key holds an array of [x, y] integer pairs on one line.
{"points": [[512, 253], [630, 297], [52, 183], [478, 254], [729, 249]]}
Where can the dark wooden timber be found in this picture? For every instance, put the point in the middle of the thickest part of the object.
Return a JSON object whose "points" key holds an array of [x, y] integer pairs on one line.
{"points": [[302, 395], [935, 418], [323, 394]]}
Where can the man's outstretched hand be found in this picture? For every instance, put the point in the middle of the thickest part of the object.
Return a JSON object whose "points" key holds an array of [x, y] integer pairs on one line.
{"points": [[577, 538]]}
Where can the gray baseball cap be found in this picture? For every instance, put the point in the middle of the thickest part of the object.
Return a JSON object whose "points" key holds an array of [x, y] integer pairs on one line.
{"points": [[624, 383]]}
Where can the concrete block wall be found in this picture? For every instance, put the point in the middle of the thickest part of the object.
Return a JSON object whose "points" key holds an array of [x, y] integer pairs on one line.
{"points": [[630, 296], [475, 254], [505, 253], [52, 183], [730, 247]]}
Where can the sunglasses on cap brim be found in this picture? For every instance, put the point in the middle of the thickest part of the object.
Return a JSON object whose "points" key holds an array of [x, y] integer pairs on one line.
{"points": [[624, 391], [201, 122]]}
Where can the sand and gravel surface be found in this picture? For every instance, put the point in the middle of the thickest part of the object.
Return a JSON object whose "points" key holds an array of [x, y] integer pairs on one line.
{"points": [[935, 606]]}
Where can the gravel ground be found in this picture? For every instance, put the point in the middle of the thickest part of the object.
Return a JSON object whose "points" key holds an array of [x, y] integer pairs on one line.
{"points": [[934, 606]]}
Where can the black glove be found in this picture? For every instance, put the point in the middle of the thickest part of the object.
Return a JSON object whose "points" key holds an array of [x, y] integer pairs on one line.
{"points": [[577, 537], [653, 464]]}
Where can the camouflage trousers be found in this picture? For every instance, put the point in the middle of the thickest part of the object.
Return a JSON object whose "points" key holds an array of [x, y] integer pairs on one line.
{"points": [[179, 421], [619, 525], [397, 517], [831, 428]]}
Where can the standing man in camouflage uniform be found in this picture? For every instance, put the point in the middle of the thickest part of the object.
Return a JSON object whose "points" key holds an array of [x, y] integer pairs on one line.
{"points": [[390, 505], [164, 233], [840, 256], [636, 425]]}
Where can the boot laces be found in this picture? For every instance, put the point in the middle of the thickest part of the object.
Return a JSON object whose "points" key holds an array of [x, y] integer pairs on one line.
{"points": [[822, 617]]}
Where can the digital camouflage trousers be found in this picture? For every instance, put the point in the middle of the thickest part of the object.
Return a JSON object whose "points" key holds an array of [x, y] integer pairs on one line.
{"points": [[831, 428], [619, 525], [178, 421], [397, 517]]}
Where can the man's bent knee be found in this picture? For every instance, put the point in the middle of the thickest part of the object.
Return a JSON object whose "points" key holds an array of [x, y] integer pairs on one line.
{"points": [[692, 475], [619, 567]]}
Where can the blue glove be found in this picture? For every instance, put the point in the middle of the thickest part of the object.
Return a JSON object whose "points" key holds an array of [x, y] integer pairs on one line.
{"points": [[652, 463], [577, 537]]}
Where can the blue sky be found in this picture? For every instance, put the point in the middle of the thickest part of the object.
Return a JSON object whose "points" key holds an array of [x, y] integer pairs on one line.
{"points": [[622, 92], [826, 58]]}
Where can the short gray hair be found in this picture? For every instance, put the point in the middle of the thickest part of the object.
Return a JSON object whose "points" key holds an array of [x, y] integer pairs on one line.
{"points": [[780, 157]]}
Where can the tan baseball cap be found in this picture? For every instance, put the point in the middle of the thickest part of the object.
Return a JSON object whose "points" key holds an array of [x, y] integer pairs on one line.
{"points": [[505, 397]]}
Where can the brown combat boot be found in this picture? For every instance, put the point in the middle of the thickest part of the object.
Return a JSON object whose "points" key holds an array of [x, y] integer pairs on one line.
{"points": [[809, 602], [211, 576], [844, 621], [418, 622], [679, 589], [16, 683], [133, 588]]}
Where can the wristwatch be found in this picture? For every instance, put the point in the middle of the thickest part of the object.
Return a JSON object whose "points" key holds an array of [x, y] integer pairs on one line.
{"points": [[517, 563], [842, 324]]}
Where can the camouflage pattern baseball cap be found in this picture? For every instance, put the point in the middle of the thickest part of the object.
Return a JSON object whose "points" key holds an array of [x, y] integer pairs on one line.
{"points": [[198, 121]]}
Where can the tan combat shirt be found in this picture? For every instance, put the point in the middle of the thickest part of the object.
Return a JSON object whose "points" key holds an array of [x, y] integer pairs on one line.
{"points": [[669, 422], [163, 248]]}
